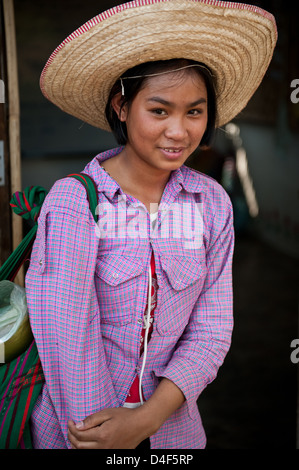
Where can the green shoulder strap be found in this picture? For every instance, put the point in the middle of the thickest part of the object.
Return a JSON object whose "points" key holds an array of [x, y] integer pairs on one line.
{"points": [[91, 190]]}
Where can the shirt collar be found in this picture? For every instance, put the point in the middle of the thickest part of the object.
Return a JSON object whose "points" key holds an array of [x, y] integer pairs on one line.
{"points": [[191, 179], [105, 183], [182, 178]]}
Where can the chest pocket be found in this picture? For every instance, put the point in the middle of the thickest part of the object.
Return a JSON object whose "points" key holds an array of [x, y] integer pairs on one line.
{"points": [[180, 271], [118, 283], [184, 278]]}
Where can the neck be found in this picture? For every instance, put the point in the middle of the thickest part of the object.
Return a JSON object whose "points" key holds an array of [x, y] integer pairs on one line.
{"points": [[140, 177]]}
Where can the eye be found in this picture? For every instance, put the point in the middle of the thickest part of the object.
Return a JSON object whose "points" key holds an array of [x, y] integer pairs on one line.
{"points": [[195, 112], [159, 111]]}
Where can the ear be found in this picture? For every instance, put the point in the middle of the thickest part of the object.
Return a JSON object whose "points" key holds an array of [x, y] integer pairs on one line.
{"points": [[116, 103]]}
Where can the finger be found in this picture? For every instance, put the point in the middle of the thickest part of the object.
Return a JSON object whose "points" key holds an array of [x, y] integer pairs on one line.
{"points": [[93, 420], [79, 438], [76, 433], [83, 435], [79, 443], [72, 439]]}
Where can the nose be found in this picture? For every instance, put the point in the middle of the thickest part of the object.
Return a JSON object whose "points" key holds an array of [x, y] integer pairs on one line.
{"points": [[176, 129]]}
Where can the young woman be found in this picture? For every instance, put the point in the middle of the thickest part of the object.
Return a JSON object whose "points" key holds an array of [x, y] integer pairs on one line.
{"points": [[133, 317]]}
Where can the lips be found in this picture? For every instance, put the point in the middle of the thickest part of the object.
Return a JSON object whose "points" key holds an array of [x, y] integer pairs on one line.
{"points": [[172, 152]]}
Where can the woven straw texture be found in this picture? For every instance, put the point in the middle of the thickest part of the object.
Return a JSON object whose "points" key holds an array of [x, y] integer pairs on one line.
{"points": [[235, 40]]}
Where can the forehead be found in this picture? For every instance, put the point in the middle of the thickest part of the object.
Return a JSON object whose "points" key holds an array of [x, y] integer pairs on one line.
{"points": [[171, 82]]}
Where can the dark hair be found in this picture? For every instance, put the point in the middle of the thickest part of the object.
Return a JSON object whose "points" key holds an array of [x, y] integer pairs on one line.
{"points": [[134, 85]]}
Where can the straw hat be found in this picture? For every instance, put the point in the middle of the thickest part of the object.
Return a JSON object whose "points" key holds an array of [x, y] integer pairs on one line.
{"points": [[236, 41]]}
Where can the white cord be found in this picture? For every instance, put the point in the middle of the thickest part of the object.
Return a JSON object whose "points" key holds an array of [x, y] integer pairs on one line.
{"points": [[149, 304], [153, 217]]}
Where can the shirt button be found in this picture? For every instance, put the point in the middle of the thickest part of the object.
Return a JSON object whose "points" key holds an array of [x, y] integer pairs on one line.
{"points": [[115, 275], [139, 321], [40, 262]]}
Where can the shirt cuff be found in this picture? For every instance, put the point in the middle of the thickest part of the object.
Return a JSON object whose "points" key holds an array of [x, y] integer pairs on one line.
{"points": [[182, 373]]}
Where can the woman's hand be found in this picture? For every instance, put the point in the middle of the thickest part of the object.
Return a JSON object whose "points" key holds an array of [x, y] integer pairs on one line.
{"points": [[112, 428], [125, 428]]}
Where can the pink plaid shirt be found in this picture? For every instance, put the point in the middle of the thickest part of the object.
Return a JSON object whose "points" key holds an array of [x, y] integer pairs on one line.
{"points": [[87, 291]]}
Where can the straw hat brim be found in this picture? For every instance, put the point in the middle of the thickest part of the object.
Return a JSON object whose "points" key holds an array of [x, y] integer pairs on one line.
{"points": [[236, 41]]}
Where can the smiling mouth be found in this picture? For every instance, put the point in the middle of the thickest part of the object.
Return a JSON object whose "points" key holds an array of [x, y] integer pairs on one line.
{"points": [[171, 150]]}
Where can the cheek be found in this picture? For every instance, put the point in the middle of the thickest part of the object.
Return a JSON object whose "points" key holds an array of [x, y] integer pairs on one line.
{"points": [[144, 128], [200, 129]]}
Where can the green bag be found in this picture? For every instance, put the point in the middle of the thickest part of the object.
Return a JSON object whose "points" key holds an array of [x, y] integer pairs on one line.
{"points": [[21, 375]]}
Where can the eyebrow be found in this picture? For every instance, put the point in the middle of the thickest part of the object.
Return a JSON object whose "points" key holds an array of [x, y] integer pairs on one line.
{"points": [[157, 99]]}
